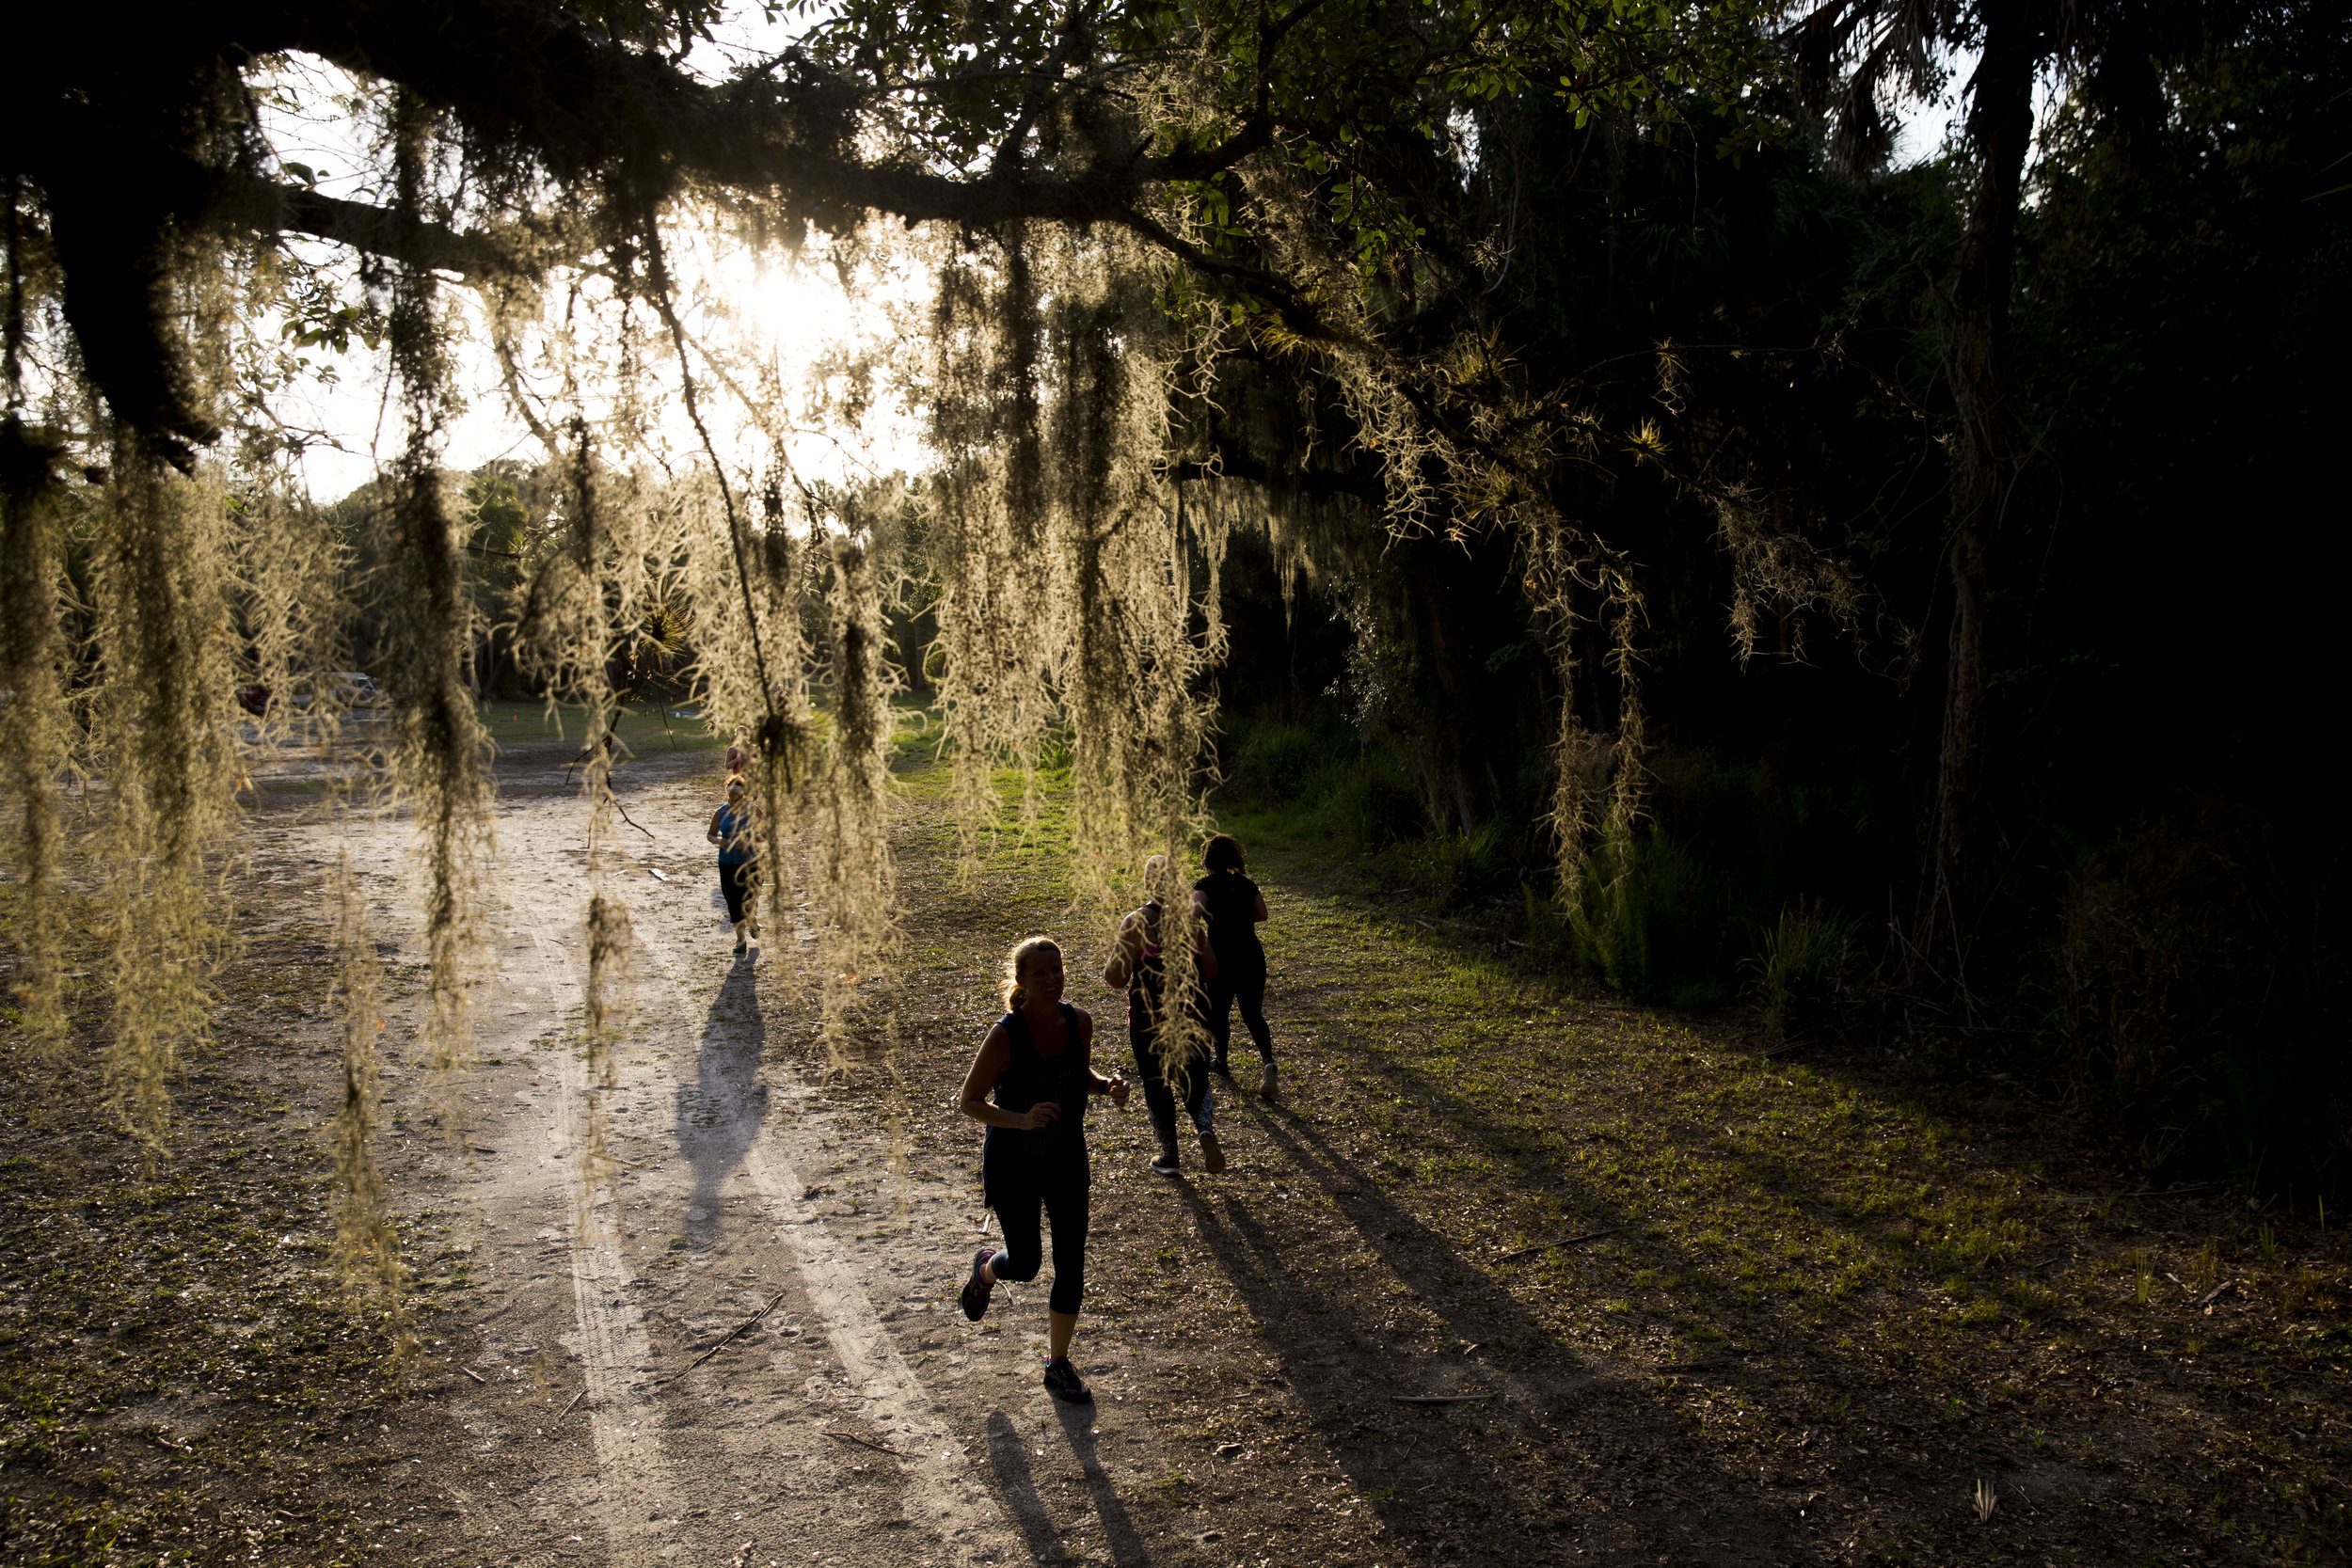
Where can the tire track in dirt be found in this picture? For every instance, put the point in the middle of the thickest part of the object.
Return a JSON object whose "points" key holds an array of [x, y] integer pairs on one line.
{"points": [[641, 1496], [896, 1400], [610, 1341]]}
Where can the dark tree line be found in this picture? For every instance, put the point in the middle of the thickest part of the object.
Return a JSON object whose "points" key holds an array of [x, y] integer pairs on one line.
{"points": [[2135, 617]]}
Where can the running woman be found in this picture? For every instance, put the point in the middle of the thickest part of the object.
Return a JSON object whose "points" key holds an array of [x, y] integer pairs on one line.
{"points": [[1038, 1060], [1234, 909], [1138, 965], [731, 831]]}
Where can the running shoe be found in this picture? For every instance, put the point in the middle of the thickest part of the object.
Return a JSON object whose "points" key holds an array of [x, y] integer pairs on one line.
{"points": [[1167, 1165], [1266, 1085], [977, 1287], [1222, 1067], [738, 947], [1061, 1381], [1212, 1157]]}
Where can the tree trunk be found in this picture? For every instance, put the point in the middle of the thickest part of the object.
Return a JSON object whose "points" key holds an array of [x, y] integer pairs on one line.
{"points": [[2000, 128]]}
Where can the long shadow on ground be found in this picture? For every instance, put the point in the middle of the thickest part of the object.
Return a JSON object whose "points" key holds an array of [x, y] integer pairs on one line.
{"points": [[1016, 1488], [1585, 1444], [718, 1115]]}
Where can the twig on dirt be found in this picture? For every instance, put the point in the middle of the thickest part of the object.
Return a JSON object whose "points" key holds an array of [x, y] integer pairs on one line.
{"points": [[1693, 1366], [576, 1399], [733, 1335], [2144, 1191], [2214, 1295], [1440, 1399], [1564, 1241], [472, 1373], [866, 1443], [630, 821]]}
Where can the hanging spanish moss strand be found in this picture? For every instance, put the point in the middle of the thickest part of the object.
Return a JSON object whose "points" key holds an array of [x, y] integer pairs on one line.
{"points": [[1069, 573], [987, 535], [36, 738], [598, 565], [161, 724], [437, 741], [367, 1246], [853, 885]]}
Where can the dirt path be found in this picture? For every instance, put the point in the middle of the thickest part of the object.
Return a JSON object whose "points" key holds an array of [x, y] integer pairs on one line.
{"points": [[604, 1278]]}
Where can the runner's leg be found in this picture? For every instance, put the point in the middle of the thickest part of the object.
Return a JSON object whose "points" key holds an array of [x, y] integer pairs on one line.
{"points": [[1249, 991], [1219, 1018], [1066, 1208], [1156, 1096], [1025, 1245]]}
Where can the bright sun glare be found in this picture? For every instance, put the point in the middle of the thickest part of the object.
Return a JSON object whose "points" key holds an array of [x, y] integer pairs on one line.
{"points": [[790, 323]]}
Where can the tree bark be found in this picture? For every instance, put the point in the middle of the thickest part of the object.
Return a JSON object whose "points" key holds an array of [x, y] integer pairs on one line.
{"points": [[2000, 128]]}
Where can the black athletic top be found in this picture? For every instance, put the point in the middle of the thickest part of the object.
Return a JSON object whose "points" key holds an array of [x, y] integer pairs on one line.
{"points": [[1232, 900], [1020, 1152]]}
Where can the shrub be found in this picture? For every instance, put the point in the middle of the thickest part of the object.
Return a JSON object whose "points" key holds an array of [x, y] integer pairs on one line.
{"points": [[1804, 969]]}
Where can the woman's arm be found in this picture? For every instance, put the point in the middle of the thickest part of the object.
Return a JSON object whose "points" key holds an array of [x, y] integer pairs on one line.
{"points": [[713, 835], [994, 1057], [1205, 953], [1257, 908], [1116, 1084], [1115, 973]]}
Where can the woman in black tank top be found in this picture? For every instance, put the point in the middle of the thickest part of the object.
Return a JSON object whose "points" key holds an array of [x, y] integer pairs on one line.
{"points": [[1235, 910], [1140, 963], [1031, 1083]]}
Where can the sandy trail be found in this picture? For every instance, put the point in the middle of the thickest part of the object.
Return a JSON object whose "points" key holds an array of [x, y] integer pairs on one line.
{"points": [[677, 1199]]}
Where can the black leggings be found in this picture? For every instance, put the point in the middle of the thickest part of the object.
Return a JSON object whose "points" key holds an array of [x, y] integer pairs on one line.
{"points": [[1064, 1200], [1248, 987], [1159, 1098], [736, 882]]}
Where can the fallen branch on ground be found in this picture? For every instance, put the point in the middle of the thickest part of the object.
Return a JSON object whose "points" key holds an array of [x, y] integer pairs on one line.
{"points": [[866, 1443], [1566, 1241], [733, 1335]]}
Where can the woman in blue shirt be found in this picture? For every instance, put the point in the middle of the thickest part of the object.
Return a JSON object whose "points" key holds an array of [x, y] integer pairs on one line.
{"points": [[731, 831]]}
